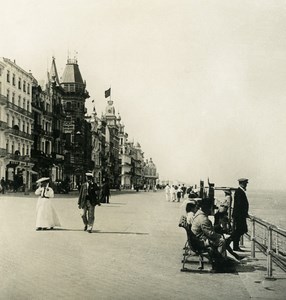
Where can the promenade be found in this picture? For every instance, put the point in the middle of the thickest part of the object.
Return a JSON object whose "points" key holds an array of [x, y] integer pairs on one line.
{"points": [[134, 252]]}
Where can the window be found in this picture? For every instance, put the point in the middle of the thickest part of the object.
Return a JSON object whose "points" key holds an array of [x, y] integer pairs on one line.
{"points": [[28, 105], [28, 150], [19, 83], [24, 85], [8, 76], [8, 119], [28, 128], [19, 147], [13, 79], [28, 88], [19, 101], [8, 95], [7, 146], [13, 121], [12, 148], [23, 126], [24, 103], [23, 150], [13, 98]]}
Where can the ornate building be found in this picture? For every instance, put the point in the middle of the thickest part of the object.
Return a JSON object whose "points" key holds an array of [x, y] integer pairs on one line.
{"points": [[112, 168], [77, 130], [124, 157], [16, 123], [150, 173], [47, 152]]}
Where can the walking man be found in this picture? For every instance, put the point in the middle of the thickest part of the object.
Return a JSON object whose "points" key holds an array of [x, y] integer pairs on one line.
{"points": [[240, 213], [88, 199]]}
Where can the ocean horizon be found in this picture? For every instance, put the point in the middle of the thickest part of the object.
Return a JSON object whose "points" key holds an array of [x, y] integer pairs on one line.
{"points": [[269, 205]]}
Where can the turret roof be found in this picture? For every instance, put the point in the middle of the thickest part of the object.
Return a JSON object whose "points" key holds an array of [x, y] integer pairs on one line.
{"points": [[72, 72]]}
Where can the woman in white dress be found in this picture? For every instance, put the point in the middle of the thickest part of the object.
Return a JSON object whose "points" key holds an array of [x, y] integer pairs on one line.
{"points": [[46, 218]]}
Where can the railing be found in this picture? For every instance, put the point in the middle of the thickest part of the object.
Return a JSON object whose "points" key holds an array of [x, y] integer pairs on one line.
{"points": [[270, 240], [19, 109], [19, 133]]}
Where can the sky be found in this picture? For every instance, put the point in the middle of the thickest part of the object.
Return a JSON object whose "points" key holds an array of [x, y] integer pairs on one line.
{"points": [[199, 84]]}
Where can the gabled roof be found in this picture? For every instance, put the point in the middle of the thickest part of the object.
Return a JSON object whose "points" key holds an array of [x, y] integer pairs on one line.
{"points": [[53, 76]]}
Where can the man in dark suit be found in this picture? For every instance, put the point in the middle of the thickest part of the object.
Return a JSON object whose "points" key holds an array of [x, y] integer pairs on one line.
{"points": [[239, 213], [88, 199]]}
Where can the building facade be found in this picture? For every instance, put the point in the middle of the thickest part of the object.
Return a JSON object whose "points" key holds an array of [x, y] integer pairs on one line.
{"points": [[16, 124]]}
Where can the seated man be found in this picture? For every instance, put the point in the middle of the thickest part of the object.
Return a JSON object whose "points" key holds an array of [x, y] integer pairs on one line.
{"points": [[203, 228], [191, 209]]}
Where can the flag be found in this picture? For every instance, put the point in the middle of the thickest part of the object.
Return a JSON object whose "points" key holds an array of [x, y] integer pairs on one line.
{"points": [[107, 93], [92, 101]]}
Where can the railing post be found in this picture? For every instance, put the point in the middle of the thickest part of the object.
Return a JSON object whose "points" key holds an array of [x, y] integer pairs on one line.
{"points": [[253, 238], [269, 250]]}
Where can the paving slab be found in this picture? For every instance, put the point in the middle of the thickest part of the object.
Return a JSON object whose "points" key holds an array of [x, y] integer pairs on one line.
{"points": [[134, 252]]}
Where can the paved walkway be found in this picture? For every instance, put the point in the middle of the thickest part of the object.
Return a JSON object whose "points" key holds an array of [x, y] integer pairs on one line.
{"points": [[134, 253]]}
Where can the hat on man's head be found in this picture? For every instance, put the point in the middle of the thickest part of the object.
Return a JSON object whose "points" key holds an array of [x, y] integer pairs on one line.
{"points": [[43, 179], [88, 174], [243, 180]]}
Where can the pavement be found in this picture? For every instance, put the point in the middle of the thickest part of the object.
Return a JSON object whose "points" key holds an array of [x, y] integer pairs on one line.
{"points": [[134, 252]]}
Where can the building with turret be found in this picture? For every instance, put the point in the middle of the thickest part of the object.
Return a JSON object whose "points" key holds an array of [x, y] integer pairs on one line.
{"points": [[76, 129], [112, 168], [150, 173]]}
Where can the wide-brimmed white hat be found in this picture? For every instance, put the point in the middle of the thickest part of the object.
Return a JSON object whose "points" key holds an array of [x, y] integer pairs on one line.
{"points": [[43, 179], [89, 174]]}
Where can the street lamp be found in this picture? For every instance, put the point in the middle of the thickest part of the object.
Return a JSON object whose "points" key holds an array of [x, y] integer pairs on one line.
{"points": [[27, 159]]}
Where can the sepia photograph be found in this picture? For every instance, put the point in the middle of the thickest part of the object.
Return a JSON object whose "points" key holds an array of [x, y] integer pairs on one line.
{"points": [[142, 149]]}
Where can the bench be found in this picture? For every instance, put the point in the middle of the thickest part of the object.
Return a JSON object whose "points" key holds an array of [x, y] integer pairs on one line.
{"points": [[194, 247]]}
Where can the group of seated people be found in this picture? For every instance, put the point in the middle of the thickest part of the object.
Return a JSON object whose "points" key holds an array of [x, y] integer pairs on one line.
{"points": [[217, 235]]}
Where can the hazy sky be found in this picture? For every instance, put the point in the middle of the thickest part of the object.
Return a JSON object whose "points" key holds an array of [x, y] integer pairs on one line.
{"points": [[200, 84]]}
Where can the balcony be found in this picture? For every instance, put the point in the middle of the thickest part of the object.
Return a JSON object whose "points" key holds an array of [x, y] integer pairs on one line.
{"points": [[58, 156], [3, 125], [3, 152], [18, 133], [19, 109], [3, 100], [40, 154]]}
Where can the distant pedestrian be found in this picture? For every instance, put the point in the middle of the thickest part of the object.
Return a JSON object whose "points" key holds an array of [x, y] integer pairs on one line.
{"points": [[88, 199], [173, 193], [105, 192], [46, 218], [168, 192], [240, 213], [184, 189], [179, 193], [2, 185]]}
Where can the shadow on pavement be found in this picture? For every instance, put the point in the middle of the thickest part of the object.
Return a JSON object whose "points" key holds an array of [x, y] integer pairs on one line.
{"points": [[121, 232]]}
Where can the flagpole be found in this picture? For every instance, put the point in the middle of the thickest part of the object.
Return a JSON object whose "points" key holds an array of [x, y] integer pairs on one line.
{"points": [[110, 93]]}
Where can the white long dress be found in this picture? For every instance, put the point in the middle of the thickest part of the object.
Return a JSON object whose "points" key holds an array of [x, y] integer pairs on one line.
{"points": [[46, 214]]}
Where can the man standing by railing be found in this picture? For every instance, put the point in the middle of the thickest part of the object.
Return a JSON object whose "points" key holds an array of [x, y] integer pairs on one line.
{"points": [[240, 213]]}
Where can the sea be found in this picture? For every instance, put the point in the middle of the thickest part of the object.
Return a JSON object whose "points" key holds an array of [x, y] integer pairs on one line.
{"points": [[268, 205]]}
